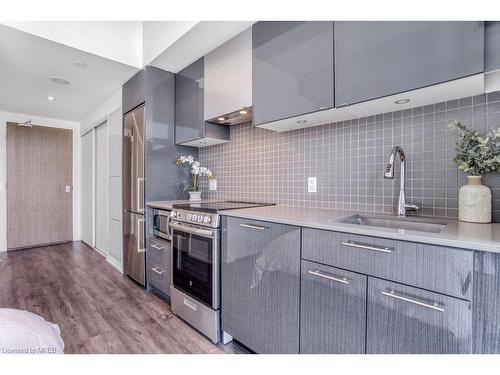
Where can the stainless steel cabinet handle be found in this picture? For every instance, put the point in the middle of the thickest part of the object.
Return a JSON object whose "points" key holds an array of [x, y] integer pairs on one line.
{"points": [[338, 279], [387, 250], [158, 247], [432, 306], [158, 270], [252, 226]]}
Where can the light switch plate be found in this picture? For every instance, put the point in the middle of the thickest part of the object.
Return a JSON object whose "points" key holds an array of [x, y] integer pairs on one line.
{"points": [[311, 185]]}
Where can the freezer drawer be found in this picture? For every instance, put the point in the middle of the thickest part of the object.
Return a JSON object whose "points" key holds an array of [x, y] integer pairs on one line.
{"points": [[134, 247]]}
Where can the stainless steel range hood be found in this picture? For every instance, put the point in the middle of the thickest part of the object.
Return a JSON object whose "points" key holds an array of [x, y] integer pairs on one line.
{"points": [[234, 118]]}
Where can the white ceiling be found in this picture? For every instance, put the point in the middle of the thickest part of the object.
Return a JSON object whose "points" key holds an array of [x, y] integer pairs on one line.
{"points": [[26, 64], [32, 52]]}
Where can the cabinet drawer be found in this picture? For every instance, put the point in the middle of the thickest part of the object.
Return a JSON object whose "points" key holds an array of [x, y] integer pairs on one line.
{"points": [[158, 264], [441, 269], [333, 310], [402, 319]]}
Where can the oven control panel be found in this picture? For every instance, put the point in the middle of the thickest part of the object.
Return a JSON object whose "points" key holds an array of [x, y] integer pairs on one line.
{"points": [[194, 217]]}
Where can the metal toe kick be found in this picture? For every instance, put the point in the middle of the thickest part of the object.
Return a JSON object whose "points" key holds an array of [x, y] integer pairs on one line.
{"points": [[200, 316]]}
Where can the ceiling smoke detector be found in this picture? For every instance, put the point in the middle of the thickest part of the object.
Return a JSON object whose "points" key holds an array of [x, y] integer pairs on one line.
{"points": [[81, 64], [51, 98], [59, 80]]}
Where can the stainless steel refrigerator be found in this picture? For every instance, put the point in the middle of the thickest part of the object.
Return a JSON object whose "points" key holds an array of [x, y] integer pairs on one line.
{"points": [[133, 195]]}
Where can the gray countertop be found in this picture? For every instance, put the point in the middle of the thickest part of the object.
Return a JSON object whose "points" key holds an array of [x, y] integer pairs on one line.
{"points": [[483, 237]]}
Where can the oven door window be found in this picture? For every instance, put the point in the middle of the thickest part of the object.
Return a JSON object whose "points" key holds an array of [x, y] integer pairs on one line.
{"points": [[193, 265]]}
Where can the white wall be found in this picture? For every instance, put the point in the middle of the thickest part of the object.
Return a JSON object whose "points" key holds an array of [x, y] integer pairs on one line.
{"points": [[42, 121], [157, 36], [116, 40]]}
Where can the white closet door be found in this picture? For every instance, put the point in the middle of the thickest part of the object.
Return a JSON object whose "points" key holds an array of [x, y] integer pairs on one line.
{"points": [[87, 186], [101, 189], [115, 131]]}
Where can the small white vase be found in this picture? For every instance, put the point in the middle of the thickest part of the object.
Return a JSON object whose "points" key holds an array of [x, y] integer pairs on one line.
{"points": [[474, 201], [194, 196]]}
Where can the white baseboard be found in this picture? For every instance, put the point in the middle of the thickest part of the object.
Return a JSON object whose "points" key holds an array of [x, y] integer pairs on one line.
{"points": [[115, 265]]}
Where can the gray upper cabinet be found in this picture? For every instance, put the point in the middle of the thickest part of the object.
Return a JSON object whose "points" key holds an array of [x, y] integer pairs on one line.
{"points": [[402, 319], [228, 76], [377, 59], [189, 102], [492, 45], [261, 284], [333, 310], [292, 69], [134, 91]]}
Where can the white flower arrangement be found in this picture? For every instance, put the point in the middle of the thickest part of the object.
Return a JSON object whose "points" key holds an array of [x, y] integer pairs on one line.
{"points": [[197, 170]]}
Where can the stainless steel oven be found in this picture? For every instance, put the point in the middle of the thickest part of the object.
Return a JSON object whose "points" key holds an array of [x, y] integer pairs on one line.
{"points": [[161, 224], [195, 291]]}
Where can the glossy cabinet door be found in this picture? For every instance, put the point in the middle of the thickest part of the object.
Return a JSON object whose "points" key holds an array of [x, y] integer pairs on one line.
{"points": [[333, 310], [403, 319], [492, 45], [261, 284], [134, 91], [189, 102], [377, 59], [292, 69], [158, 264]]}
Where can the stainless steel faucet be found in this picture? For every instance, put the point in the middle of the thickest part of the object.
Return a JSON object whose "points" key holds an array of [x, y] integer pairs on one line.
{"points": [[389, 174]]}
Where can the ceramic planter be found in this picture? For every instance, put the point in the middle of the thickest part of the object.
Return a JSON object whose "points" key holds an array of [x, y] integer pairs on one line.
{"points": [[474, 201], [194, 196]]}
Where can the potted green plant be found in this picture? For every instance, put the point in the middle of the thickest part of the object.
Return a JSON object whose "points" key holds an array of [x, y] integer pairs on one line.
{"points": [[197, 171], [477, 155]]}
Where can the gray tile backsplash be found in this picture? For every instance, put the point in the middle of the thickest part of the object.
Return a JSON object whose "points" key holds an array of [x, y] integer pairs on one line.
{"points": [[348, 158]]}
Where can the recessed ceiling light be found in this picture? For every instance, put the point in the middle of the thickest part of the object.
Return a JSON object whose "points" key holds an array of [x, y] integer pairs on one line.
{"points": [[402, 101], [243, 112], [301, 121], [221, 119], [81, 64], [51, 98], [60, 80]]}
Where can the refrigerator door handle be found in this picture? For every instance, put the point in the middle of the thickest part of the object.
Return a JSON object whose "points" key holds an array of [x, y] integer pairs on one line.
{"points": [[140, 194], [140, 236]]}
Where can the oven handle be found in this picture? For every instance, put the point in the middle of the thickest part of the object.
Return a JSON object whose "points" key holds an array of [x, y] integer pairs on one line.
{"points": [[169, 232], [192, 230]]}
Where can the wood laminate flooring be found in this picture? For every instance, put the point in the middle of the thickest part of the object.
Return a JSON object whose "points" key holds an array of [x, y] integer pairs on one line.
{"points": [[97, 308]]}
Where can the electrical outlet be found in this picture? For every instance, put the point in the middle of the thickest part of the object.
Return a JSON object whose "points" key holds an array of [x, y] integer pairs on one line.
{"points": [[311, 185], [212, 184]]}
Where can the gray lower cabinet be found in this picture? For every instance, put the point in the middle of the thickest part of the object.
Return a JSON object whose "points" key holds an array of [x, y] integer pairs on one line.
{"points": [[292, 69], [377, 59], [158, 265], [403, 319], [442, 269], [333, 310], [261, 284]]}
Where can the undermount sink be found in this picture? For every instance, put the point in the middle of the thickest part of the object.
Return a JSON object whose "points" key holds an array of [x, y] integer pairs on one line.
{"points": [[409, 223]]}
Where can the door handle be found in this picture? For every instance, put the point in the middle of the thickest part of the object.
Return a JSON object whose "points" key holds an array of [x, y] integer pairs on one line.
{"points": [[433, 305], [140, 197], [258, 227], [158, 270], [158, 247], [140, 236], [386, 250], [338, 279]]}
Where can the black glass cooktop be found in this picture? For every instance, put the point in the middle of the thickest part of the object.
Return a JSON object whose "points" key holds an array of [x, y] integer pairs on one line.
{"points": [[214, 207]]}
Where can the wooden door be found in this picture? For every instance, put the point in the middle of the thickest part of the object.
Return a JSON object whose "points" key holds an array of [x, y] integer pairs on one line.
{"points": [[39, 186]]}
